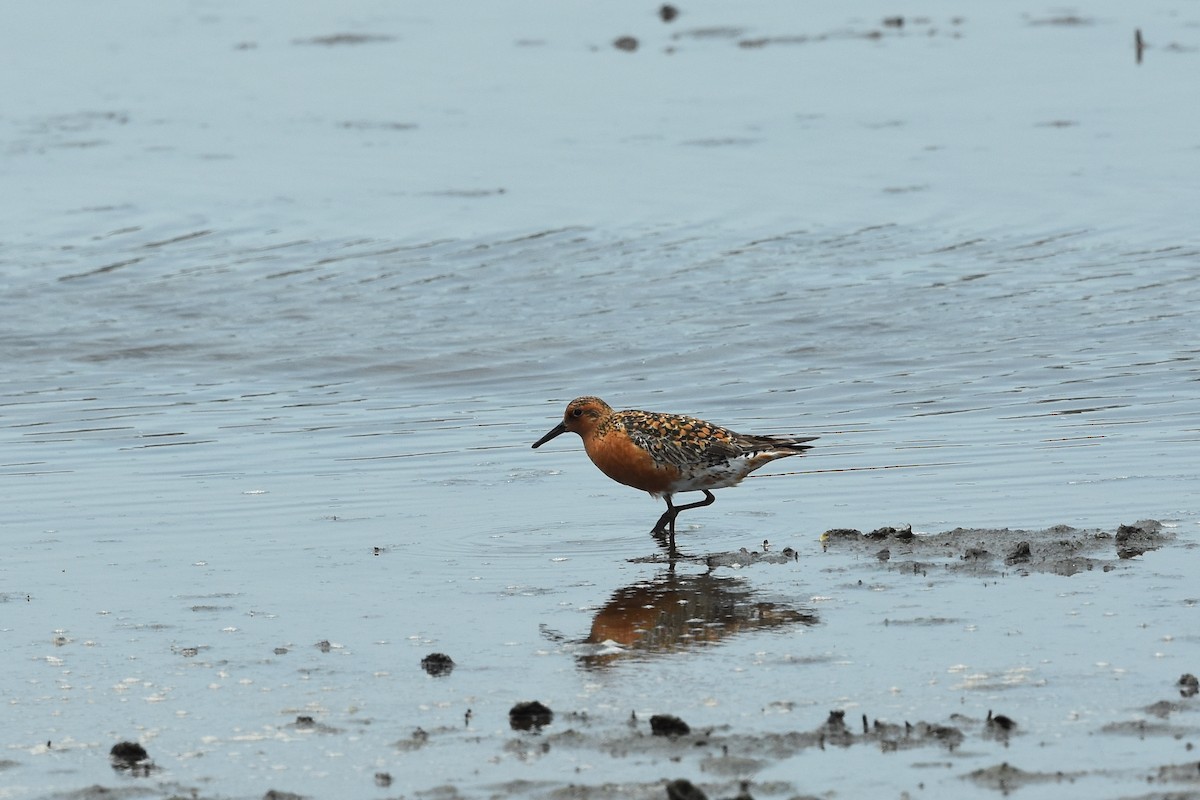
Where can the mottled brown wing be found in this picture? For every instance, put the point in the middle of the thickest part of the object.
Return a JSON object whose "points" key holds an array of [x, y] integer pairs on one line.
{"points": [[683, 442]]}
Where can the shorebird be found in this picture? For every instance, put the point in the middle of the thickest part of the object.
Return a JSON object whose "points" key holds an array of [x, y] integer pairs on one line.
{"points": [[665, 454]]}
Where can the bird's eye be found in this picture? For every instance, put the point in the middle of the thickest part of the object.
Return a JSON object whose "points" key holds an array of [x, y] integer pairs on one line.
{"points": [[577, 412]]}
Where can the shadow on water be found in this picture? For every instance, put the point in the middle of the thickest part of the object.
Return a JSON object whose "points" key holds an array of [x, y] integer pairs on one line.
{"points": [[672, 613]]}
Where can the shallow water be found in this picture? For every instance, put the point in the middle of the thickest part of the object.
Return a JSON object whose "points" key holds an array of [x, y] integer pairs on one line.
{"points": [[265, 442]]}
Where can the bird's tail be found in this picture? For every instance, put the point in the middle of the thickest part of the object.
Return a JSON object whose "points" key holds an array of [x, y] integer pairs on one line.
{"points": [[797, 443], [791, 445]]}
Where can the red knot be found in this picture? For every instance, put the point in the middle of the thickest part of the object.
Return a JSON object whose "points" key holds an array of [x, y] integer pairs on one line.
{"points": [[664, 454]]}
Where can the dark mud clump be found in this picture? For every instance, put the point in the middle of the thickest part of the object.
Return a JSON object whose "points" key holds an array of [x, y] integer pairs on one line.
{"points": [[306, 722], [835, 732], [1133, 540], [1061, 549], [529, 716], [667, 725], [130, 757], [1021, 554], [437, 664], [1000, 722], [684, 790], [999, 727], [1189, 686], [418, 739]]}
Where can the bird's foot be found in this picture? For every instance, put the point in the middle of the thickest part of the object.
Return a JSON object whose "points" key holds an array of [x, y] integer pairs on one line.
{"points": [[666, 540]]}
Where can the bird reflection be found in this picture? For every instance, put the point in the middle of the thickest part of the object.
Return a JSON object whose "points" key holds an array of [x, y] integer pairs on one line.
{"points": [[672, 613]]}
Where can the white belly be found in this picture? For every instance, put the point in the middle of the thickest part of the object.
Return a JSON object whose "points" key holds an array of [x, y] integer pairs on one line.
{"points": [[716, 476]]}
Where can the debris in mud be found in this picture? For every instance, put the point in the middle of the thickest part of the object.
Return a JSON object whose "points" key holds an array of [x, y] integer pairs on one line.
{"points": [[1069, 20], [667, 725], [130, 757], [1000, 722], [345, 38], [626, 43], [835, 731], [716, 32], [1164, 708], [744, 558], [1019, 554], [1179, 773], [684, 790], [1133, 540], [415, 742], [870, 34], [305, 722], [1142, 728], [948, 736], [668, 12], [275, 794], [1060, 549], [528, 716], [1005, 778], [383, 779], [723, 752], [1189, 686], [999, 727], [437, 664]]}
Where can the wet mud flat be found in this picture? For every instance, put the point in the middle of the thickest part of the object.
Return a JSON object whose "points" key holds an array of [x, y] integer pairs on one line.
{"points": [[1061, 550], [787, 737], [722, 762]]}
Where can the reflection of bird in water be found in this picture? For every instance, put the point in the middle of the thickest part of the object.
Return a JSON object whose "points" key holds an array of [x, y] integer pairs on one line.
{"points": [[674, 612], [667, 453]]}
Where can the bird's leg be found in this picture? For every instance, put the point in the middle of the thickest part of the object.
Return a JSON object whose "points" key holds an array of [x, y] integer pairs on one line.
{"points": [[666, 523], [667, 520], [664, 529], [709, 499]]}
